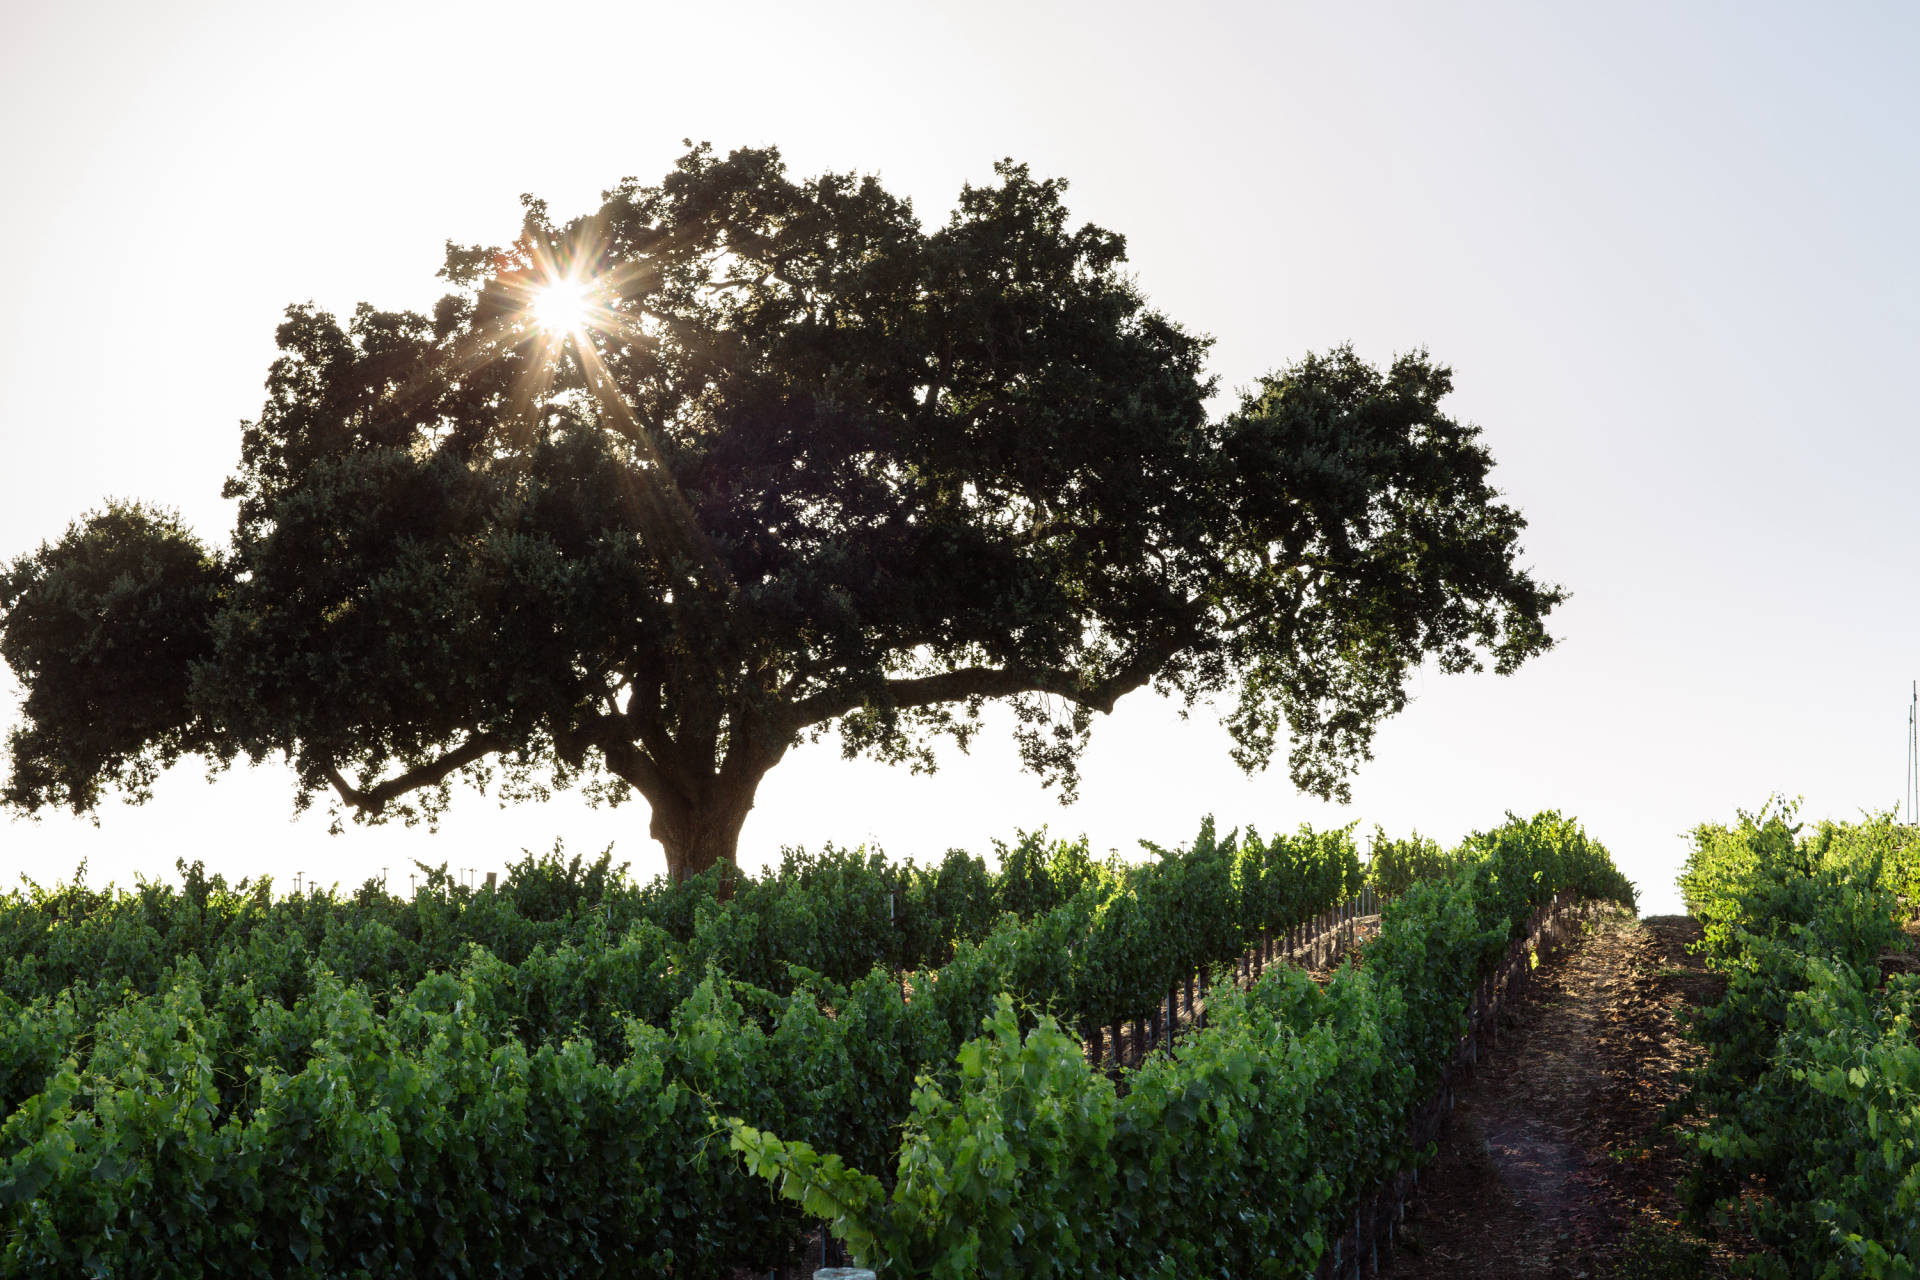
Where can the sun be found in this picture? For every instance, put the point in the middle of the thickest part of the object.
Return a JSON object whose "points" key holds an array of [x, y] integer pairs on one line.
{"points": [[563, 306]]}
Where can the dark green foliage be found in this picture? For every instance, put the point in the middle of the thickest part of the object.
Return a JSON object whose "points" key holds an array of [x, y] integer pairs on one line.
{"points": [[1433, 948], [34, 1038], [104, 629], [1241, 1155], [1027, 1164], [1108, 952], [1394, 866], [1811, 1090], [193, 1087], [1114, 950], [810, 467], [1658, 1253], [53, 940], [828, 912], [1511, 862], [553, 887], [414, 1144], [1036, 876]]}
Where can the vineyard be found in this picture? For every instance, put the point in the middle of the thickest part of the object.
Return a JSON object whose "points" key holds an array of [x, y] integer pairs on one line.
{"points": [[1810, 1095], [574, 1075]]}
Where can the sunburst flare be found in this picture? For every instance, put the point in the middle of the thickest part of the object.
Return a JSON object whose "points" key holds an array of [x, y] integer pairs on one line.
{"points": [[564, 306]]}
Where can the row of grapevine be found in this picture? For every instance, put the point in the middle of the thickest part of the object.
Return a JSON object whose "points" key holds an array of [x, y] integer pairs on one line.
{"points": [[53, 939], [1246, 1153], [1095, 942], [839, 913], [557, 1115], [1811, 1090]]}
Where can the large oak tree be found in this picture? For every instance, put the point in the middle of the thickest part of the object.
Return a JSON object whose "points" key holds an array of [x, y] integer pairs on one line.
{"points": [[796, 465]]}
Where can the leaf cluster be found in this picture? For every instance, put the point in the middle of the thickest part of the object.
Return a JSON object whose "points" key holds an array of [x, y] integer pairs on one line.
{"points": [[1810, 1093]]}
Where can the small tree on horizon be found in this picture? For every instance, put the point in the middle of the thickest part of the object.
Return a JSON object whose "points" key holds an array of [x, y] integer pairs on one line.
{"points": [[737, 460]]}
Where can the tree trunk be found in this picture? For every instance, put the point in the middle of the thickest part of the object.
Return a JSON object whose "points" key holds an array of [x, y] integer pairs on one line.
{"points": [[698, 809], [697, 834]]}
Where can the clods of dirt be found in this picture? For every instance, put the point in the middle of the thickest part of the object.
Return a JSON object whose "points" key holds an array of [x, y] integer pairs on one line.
{"points": [[1557, 1160]]}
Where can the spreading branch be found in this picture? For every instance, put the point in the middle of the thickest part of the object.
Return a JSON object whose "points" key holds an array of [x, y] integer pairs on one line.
{"points": [[371, 800]]}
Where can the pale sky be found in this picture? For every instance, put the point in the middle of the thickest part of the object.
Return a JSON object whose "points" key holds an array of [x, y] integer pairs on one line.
{"points": [[1666, 248]]}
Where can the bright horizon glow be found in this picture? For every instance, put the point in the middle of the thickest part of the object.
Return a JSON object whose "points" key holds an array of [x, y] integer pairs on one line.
{"points": [[563, 306]]}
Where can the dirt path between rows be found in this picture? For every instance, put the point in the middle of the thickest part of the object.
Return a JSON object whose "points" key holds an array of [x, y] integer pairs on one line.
{"points": [[1555, 1163]]}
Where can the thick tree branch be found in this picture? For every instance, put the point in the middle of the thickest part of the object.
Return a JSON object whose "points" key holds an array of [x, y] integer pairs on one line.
{"points": [[970, 682], [636, 767], [644, 721], [950, 686], [373, 799]]}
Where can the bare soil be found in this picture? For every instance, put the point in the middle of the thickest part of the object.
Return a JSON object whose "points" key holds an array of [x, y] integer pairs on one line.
{"points": [[1557, 1161]]}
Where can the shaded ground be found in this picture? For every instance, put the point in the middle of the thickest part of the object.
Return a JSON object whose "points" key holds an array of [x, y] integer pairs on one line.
{"points": [[1554, 1163]]}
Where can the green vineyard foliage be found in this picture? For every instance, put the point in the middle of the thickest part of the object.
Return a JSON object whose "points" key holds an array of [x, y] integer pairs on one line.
{"points": [[535, 1079], [1810, 1094], [1243, 1154]]}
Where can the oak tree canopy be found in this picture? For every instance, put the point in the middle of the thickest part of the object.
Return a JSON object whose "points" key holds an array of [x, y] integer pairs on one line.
{"points": [[656, 494]]}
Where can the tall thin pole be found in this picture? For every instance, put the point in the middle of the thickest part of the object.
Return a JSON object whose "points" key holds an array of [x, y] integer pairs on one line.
{"points": [[1910, 797]]}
